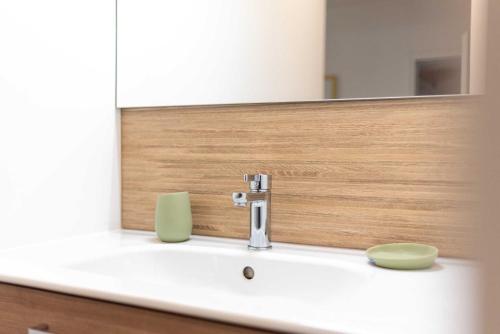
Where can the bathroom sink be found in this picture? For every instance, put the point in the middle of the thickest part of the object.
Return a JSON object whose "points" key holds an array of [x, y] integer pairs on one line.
{"points": [[285, 278], [291, 288]]}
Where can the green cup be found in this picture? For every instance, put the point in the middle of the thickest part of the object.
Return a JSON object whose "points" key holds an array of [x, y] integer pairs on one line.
{"points": [[173, 219]]}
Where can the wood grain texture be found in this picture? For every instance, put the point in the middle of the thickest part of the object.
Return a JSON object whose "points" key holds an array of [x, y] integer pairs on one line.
{"points": [[345, 174], [22, 308]]}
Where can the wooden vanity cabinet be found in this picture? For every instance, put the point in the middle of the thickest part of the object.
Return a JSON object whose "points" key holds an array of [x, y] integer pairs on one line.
{"points": [[22, 308]]}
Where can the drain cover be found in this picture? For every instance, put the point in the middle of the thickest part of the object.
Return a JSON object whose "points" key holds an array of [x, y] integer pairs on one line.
{"points": [[248, 272]]}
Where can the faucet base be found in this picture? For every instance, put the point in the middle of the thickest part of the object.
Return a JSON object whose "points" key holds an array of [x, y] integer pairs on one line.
{"points": [[259, 248]]}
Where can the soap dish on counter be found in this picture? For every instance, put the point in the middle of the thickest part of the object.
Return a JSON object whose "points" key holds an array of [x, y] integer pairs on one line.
{"points": [[403, 256]]}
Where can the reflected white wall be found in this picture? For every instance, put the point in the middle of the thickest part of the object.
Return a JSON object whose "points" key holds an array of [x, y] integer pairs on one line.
{"points": [[478, 42], [173, 52]]}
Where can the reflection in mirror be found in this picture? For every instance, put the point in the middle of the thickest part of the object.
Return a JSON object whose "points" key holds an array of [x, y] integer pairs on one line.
{"points": [[380, 48], [195, 52]]}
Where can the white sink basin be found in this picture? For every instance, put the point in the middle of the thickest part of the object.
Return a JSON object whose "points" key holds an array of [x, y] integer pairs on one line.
{"points": [[284, 278], [294, 289]]}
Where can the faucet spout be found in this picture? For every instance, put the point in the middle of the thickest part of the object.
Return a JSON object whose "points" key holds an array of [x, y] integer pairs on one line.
{"points": [[243, 199]]}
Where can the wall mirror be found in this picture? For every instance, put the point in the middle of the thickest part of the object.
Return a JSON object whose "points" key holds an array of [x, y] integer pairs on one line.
{"points": [[198, 52]]}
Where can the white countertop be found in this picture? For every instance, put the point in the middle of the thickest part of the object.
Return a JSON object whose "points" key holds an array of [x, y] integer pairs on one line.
{"points": [[301, 289]]}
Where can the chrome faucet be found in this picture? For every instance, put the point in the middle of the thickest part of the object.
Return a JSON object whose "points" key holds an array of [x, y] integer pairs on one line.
{"points": [[259, 200]]}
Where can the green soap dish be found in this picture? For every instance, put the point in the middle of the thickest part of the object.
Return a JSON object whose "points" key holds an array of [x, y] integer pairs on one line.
{"points": [[402, 256]]}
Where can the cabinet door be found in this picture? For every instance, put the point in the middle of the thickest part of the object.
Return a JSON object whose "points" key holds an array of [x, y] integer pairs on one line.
{"points": [[192, 52], [26, 309]]}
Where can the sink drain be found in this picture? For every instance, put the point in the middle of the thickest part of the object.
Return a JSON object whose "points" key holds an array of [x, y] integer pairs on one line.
{"points": [[248, 272]]}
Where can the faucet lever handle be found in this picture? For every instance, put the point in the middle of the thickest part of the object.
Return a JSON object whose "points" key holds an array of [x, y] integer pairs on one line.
{"points": [[258, 181]]}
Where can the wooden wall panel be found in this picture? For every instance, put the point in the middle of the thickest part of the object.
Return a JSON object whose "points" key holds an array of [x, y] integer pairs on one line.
{"points": [[346, 174]]}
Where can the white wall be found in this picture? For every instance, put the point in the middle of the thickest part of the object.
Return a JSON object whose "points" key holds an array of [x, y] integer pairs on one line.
{"points": [[219, 51], [58, 124], [373, 44]]}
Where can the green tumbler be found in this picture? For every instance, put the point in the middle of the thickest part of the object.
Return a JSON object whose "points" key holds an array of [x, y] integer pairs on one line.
{"points": [[173, 220]]}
